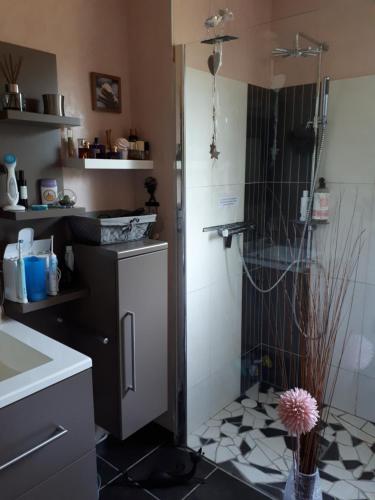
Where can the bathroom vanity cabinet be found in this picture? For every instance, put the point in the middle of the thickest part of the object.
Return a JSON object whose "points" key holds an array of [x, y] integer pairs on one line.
{"points": [[123, 325], [47, 445]]}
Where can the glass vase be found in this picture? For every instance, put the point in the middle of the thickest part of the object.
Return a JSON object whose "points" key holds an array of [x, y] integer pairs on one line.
{"points": [[302, 486]]}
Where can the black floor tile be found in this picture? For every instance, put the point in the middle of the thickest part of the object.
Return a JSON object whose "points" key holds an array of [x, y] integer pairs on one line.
{"points": [[123, 454], [119, 493], [105, 471], [172, 460], [221, 486]]}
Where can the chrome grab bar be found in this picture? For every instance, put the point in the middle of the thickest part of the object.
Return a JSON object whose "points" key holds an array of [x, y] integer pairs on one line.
{"points": [[226, 231], [59, 432]]}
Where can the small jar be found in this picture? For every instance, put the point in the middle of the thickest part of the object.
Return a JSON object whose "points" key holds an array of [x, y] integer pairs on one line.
{"points": [[48, 191]]}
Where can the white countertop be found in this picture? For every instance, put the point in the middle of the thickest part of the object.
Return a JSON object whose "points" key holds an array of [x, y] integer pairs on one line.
{"points": [[50, 361]]}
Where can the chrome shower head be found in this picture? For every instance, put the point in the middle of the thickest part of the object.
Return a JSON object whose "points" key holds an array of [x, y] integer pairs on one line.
{"points": [[313, 50], [306, 52], [280, 52]]}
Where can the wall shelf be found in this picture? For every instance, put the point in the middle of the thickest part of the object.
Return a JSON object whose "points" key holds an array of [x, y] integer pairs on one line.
{"points": [[61, 298], [99, 164], [42, 214], [38, 119]]}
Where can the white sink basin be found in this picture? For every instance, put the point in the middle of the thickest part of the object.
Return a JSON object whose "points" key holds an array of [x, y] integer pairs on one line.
{"points": [[17, 357], [30, 361]]}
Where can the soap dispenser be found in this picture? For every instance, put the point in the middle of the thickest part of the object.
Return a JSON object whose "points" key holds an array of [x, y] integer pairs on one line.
{"points": [[321, 202]]}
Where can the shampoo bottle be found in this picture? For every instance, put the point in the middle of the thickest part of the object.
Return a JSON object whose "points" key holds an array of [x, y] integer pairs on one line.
{"points": [[321, 202]]}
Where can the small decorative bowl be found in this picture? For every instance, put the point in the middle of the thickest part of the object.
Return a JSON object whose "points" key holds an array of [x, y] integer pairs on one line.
{"points": [[67, 198]]}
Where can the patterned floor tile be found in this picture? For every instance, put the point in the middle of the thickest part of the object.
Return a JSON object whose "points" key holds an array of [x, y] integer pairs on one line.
{"points": [[369, 428], [248, 440], [353, 420]]}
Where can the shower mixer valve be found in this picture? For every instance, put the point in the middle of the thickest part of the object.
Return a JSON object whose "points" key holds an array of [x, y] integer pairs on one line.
{"points": [[226, 231]]}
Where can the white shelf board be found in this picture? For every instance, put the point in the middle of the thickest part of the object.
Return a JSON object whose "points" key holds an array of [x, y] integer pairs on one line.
{"points": [[96, 164]]}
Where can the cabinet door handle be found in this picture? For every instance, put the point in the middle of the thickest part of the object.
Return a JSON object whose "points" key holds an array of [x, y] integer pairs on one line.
{"points": [[133, 385], [59, 432]]}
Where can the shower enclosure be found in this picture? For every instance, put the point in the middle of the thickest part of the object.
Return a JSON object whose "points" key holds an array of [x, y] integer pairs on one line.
{"points": [[243, 233], [245, 247]]}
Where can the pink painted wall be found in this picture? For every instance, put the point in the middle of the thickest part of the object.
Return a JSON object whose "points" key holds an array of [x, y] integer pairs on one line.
{"points": [[285, 8], [347, 26], [189, 16], [86, 35]]}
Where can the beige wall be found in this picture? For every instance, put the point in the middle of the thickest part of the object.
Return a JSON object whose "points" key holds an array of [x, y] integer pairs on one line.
{"points": [[346, 25], [86, 36]]}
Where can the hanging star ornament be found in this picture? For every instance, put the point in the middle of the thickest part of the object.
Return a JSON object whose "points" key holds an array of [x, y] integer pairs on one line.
{"points": [[213, 151]]}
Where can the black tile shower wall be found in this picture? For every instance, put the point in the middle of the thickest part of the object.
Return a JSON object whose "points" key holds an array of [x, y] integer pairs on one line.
{"points": [[257, 151], [280, 142]]}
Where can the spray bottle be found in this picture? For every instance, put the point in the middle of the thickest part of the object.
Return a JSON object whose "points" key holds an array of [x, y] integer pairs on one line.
{"points": [[53, 280], [21, 276]]}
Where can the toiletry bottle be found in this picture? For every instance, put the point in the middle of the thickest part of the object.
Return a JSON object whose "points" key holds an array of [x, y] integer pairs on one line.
{"points": [[22, 188], [69, 257], [95, 149], [21, 277], [108, 145], [140, 147], [304, 206], [132, 154], [133, 135], [67, 271], [70, 144], [83, 148], [321, 202], [147, 150], [63, 145], [48, 191], [53, 281]]}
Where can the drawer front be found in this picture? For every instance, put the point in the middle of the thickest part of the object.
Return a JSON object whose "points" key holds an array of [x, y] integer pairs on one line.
{"points": [[44, 433], [76, 482]]}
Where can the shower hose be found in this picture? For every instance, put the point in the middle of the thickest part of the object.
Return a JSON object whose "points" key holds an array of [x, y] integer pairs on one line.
{"points": [[316, 160]]}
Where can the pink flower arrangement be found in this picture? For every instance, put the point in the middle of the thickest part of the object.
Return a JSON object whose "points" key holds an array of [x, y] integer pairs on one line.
{"points": [[298, 411]]}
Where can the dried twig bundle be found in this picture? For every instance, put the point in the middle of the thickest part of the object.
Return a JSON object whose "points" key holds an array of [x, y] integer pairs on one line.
{"points": [[321, 313]]}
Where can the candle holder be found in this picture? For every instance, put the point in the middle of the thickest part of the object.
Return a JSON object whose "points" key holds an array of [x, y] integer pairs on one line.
{"points": [[12, 99]]}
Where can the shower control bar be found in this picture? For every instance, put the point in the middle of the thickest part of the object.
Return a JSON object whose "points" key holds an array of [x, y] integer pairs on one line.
{"points": [[226, 231]]}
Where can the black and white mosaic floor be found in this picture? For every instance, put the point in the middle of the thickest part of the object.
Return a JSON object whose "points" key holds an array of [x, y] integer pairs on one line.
{"points": [[247, 439]]}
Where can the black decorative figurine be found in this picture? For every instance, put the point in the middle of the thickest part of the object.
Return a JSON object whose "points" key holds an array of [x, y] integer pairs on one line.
{"points": [[151, 184]]}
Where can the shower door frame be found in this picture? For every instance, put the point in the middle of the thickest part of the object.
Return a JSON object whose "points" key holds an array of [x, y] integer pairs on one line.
{"points": [[181, 324]]}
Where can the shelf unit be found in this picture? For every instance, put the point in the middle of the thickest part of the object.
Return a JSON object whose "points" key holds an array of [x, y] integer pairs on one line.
{"points": [[99, 164], [51, 213], [38, 119], [61, 298]]}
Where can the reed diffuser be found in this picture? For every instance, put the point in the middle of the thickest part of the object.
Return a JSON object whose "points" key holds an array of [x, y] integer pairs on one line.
{"points": [[12, 99]]}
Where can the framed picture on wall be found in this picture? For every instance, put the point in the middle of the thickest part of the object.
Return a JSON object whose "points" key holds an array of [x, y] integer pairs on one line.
{"points": [[105, 93]]}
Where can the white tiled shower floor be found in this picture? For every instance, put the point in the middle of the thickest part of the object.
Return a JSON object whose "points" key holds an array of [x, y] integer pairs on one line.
{"points": [[247, 439]]}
